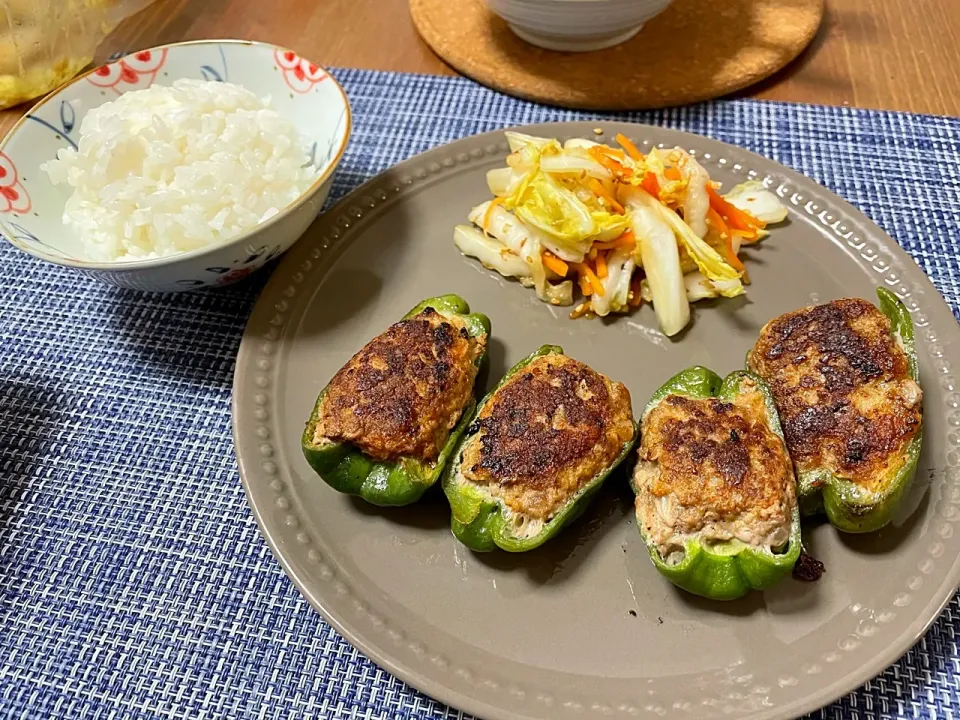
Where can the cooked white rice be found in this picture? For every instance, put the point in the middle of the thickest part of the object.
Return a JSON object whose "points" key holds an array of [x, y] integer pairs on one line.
{"points": [[167, 170]]}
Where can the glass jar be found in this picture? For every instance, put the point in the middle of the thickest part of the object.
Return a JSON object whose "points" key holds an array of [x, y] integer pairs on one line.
{"points": [[44, 43]]}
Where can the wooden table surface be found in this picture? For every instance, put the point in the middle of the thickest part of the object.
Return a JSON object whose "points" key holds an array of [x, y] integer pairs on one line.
{"points": [[888, 54]]}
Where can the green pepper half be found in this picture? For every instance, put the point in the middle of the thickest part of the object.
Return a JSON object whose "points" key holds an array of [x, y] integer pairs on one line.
{"points": [[479, 521], [391, 482], [724, 570], [848, 506]]}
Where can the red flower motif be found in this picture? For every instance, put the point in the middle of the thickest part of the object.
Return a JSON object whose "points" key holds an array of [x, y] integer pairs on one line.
{"points": [[133, 72], [13, 195], [299, 74], [233, 276]]}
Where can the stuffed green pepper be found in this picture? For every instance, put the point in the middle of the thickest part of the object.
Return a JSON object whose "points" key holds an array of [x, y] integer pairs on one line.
{"points": [[844, 376], [538, 449], [716, 499], [385, 425]]}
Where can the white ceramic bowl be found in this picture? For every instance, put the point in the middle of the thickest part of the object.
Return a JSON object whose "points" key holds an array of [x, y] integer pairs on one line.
{"points": [[576, 25], [31, 208]]}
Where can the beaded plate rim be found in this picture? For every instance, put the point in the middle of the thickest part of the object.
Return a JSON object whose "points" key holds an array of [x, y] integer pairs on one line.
{"points": [[466, 687]]}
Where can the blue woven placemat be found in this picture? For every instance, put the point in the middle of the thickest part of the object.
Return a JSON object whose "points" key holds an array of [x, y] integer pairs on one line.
{"points": [[133, 580]]}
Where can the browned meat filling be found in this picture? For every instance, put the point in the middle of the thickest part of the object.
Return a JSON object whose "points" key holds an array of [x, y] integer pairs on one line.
{"points": [[843, 389], [545, 434], [713, 468], [405, 390]]}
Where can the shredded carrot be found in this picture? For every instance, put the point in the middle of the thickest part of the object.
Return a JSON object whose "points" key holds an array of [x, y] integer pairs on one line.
{"points": [[609, 159], [747, 236], [628, 145], [718, 224], [731, 255], [555, 263], [601, 265], [609, 163], [634, 298], [734, 216], [651, 184], [580, 310], [721, 227], [625, 240], [671, 173], [600, 191], [490, 207], [592, 279], [612, 152], [585, 285]]}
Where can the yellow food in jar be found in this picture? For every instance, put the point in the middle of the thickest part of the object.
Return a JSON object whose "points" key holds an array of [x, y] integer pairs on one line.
{"points": [[37, 81], [44, 43]]}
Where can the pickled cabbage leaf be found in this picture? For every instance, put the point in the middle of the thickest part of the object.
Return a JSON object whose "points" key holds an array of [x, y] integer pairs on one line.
{"points": [[574, 164], [504, 181], [525, 242], [491, 253], [658, 252], [544, 204], [696, 202], [754, 198], [726, 279], [609, 226], [520, 141], [616, 284], [698, 287], [526, 150]]}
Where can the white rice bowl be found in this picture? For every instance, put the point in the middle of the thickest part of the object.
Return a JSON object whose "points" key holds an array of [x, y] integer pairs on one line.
{"points": [[171, 169]]}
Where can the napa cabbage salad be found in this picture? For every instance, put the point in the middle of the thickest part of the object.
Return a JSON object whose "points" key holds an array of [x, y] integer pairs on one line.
{"points": [[610, 228]]}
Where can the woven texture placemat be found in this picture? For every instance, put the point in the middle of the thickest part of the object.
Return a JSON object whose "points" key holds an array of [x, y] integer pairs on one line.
{"points": [[133, 580], [695, 50]]}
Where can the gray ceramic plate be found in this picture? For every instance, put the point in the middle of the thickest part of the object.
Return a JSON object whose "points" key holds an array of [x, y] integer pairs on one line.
{"points": [[583, 627]]}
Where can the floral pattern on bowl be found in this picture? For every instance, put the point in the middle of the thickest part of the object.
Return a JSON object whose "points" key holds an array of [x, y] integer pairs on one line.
{"points": [[31, 208], [14, 198], [133, 72], [300, 75]]}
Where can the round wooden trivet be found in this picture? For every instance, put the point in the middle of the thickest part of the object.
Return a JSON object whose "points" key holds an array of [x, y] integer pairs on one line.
{"points": [[695, 50]]}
